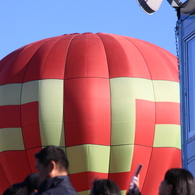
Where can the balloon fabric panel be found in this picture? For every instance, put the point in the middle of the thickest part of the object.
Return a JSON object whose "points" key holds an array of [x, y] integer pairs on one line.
{"points": [[141, 154], [51, 112], [31, 136], [14, 116], [15, 68], [163, 69], [36, 64], [155, 170], [171, 136], [11, 139], [8, 90], [10, 161], [90, 59], [167, 113], [166, 91], [145, 121], [30, 118], [53, 66], [88, 111], [124, 59]]}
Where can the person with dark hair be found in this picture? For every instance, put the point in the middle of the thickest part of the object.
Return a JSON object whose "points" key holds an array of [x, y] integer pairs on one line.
{"points": [[177, 181], [52, 165], [104, 187], [13, 190], [28, 187], [30, 184]]}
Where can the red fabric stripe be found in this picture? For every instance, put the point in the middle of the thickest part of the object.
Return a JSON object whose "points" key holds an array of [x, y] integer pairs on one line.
{"points": [[86, 57], [89, 132], [167, 113], [36, 64], [15, 165], [31, 136], [90, 112], [124, 59], [31, 159], [141, 155], [30, 125], [158, 167], [87, 113], [10, 116], [6, 64], [15, 69], [30, 114], [145, 122], [54, 65], [121, 179], [3, 179], [162, 66], [83, 181]]}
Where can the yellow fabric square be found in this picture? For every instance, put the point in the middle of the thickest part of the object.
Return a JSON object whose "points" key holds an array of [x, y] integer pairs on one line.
{"points": [[123, 133], [52, 134], [30, 92], [10, 94], [166, 91], [123, 110], [51, 90], [167, 135], [88, 158], [51, 112], [121, 158], [11, 139], [125, 87]]}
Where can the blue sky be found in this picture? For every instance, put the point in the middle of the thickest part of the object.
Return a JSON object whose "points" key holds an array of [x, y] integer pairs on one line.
{"points": [[23, 22]]}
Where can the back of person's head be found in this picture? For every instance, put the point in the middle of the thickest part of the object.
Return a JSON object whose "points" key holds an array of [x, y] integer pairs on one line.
{"points": [[28, 186], [31, 182], [104, 187], [53, 153], [181, 180], [13, 190]]}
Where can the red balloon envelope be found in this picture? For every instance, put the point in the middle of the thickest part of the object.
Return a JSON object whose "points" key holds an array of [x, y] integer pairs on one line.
{"points": [[111, 101]]}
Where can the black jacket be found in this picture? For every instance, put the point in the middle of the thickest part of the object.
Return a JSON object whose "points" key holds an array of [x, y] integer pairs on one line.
{"points": [[59, 185]]}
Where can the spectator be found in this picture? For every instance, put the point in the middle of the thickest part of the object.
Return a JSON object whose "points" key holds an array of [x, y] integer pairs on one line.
{"points": [[176, 181], [52, 166], [30, 184], [28, 187], [104, 187], [14, 190]]}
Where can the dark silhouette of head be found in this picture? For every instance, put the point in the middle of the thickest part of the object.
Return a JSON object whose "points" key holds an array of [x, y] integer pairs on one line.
{"points": [[182, 181], [27, 187], [51, 161], [53, 153], [13, 190], [105, 187]]}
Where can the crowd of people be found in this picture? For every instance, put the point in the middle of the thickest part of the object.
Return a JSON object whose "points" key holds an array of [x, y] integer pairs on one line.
{"points": [[52, 179]]}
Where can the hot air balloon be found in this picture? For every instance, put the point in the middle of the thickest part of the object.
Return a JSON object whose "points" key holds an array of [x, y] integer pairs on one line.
{"points": [[110, 101]]}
